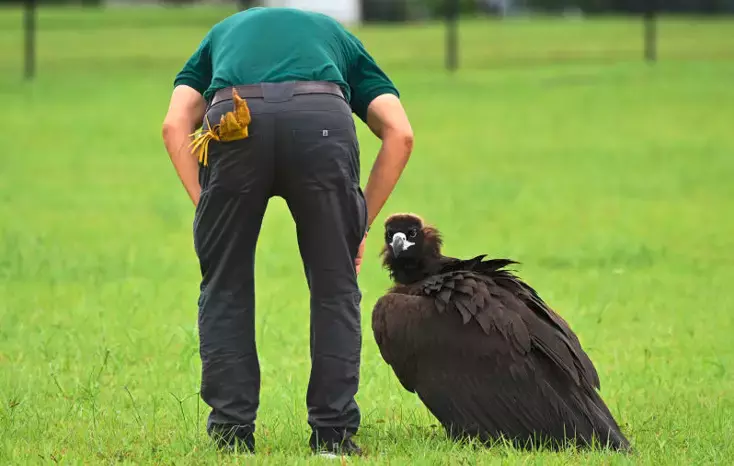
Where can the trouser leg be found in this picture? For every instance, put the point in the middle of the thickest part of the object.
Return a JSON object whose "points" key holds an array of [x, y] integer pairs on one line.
{"points": [[235, 191], [328, 251], [230, 370], [321, 188]]}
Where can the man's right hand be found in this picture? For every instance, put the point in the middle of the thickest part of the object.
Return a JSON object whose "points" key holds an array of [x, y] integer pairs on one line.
{"points": [[185, 112]]}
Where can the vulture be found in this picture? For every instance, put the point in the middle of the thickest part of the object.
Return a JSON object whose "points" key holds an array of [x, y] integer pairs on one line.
{"points": [[482, 351]]}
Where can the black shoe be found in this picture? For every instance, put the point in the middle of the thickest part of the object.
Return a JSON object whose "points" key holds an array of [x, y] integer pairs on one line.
{"points": [[334, 446], [233, 438]]}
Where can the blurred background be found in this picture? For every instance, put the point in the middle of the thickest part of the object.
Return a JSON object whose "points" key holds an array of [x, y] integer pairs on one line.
{"points": [[591, 140], [498, 31]]}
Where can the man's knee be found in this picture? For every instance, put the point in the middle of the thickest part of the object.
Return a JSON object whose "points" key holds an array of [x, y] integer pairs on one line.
{"points": [[334, 282], [336, 326], [226, 325]]}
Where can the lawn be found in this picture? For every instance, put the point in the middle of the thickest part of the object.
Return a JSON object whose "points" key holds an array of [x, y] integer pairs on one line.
{"points": [[609, 179]]}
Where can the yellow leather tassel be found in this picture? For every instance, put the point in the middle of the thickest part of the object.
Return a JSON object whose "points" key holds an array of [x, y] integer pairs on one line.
{"points": [[232, 126]]}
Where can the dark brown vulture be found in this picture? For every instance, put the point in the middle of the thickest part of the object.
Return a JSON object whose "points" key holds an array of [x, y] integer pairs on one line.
{"points": [[482, 351]]}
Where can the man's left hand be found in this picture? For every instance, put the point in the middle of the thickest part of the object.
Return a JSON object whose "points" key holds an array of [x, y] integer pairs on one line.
{"points": [[360, 253]]}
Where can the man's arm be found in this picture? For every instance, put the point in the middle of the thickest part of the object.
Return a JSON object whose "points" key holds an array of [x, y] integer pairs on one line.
{"points": [[185, 113], [376, 102], [387, 119]]}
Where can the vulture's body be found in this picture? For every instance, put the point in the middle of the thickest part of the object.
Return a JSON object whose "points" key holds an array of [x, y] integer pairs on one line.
{"points": [[483, 352]]}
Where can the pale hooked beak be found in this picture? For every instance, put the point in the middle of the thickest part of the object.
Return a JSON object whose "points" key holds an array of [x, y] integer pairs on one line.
{"points": [[399, 244]]}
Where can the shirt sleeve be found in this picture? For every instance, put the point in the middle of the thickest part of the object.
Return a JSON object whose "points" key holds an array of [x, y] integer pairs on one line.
{"points": [[366, 80], [197, 71]]}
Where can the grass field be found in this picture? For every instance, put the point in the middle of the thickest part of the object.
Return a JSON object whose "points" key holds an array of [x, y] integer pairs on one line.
{"points": [[556, 145]]}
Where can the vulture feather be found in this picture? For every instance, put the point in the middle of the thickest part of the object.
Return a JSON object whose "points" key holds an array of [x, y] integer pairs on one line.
{"points": [[483, 352]]}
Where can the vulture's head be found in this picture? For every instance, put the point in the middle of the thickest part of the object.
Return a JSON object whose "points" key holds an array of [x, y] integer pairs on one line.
{"points": [[410, 244]]}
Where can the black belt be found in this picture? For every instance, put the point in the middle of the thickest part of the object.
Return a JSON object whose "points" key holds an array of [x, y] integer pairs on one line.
{"points": [[300, 87]]}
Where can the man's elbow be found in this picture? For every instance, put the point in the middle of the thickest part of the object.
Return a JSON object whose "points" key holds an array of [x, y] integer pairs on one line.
{"points": [[171, 128], [403, 137], [167, 128], [408, 140]]}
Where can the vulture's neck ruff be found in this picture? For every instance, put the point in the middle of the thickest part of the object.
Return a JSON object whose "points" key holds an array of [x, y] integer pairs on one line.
{"points": [[405, 271]]}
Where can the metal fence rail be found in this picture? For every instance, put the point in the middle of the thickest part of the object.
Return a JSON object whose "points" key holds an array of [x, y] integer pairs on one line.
{"points": [[452, 42]]}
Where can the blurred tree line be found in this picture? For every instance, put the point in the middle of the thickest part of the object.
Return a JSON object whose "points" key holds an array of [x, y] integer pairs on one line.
{"points": [[636, 6], [403, 10]]}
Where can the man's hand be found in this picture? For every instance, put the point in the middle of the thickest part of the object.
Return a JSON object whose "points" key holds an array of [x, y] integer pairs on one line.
{"points": [[184, 116], [388, 121], [360, 254]]}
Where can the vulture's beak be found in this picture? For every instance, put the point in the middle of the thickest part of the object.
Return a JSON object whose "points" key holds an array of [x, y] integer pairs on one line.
{"points": [[399, 244]]}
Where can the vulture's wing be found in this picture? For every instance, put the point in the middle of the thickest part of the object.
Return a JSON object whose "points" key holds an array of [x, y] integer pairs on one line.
{"points": [[481, 357], [522, 398], [542, 321], [550, 331], [394, 318], [497, 300]]}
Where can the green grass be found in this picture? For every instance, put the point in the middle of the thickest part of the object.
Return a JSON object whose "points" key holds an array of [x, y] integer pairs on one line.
{"points": [[609, 179]]}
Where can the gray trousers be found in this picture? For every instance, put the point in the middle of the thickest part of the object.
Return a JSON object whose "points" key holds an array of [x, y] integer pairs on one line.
{"points": [[304, 149]]}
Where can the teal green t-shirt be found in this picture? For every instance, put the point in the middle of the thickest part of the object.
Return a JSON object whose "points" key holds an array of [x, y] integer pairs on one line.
{"points": [[284, 44]]}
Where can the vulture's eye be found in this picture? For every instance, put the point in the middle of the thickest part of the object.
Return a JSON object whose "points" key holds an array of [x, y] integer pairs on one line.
{"points": [[413, 233]]}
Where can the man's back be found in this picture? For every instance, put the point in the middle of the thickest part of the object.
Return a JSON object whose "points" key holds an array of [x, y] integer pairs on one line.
{"points": [[282, 44], [264, 44]]}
